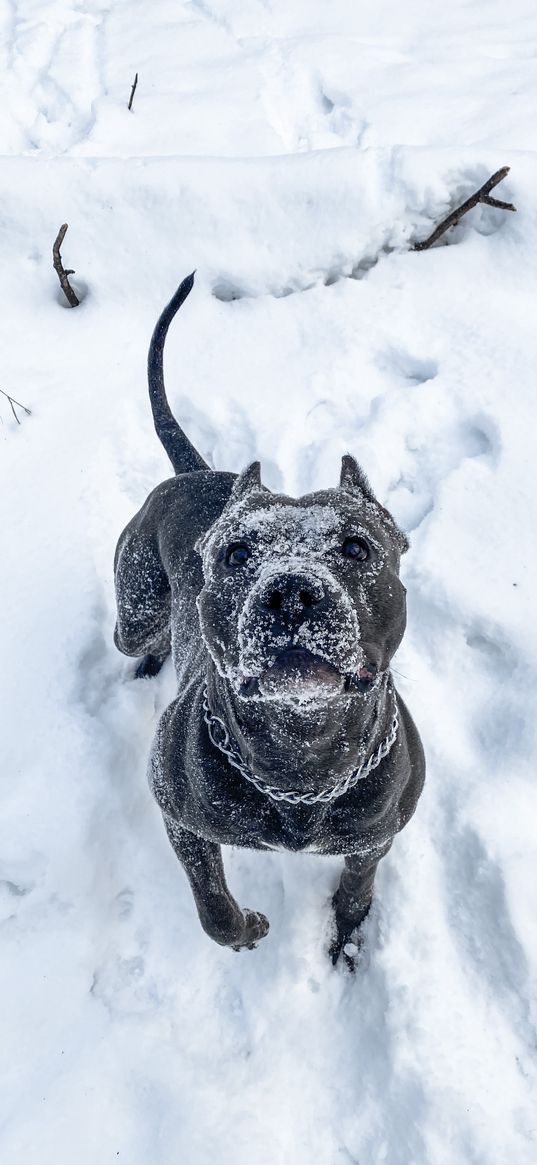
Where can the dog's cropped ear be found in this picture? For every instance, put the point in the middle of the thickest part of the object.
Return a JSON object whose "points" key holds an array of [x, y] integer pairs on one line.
{"points": [[247, 481], [353, 478]]}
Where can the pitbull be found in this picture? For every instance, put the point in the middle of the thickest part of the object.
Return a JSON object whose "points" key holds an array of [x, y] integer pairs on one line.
{"points": [[282, 616]]}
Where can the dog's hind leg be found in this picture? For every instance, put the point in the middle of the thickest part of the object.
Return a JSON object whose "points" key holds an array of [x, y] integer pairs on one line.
{"points": [[352, 901], [143, 599], [220, 916]]}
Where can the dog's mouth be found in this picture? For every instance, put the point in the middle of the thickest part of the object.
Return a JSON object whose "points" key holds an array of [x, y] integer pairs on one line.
{"points": [[298, 674]]}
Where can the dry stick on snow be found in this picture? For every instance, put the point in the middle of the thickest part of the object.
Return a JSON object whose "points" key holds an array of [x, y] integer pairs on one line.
{"points": [[14, 402], [133, 91], [59, 268], [481, 195]]}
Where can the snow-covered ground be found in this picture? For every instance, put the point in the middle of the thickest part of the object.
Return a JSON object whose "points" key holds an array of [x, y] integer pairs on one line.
{"points": [[290, 150]]}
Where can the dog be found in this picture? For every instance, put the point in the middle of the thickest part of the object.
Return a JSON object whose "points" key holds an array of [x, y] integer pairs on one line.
{"points": [[282, 616]]}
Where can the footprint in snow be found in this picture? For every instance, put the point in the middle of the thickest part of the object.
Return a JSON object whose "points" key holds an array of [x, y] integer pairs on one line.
{"points": [[412, 369], [229, 290], [488, 644], [482, 925], [19, 878], [437, 440], [234, 1021], [97, 667], [124, 902], [64, 100], [125, 988], [428, 460], [340, 118]]}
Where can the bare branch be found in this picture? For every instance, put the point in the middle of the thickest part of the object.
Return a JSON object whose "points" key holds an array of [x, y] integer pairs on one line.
{"points": [[481, 195], [14, 402], [133, 91], [498, 202], [62, 274]]}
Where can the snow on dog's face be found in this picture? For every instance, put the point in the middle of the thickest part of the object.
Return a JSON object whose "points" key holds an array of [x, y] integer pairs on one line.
{"points": [[302, 601]]}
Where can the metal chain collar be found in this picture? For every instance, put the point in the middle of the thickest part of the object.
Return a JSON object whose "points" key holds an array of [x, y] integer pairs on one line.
{"points": [[220, 737]]}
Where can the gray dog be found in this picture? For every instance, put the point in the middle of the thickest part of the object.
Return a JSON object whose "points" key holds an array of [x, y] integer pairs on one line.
{"points": [[282, 616]]}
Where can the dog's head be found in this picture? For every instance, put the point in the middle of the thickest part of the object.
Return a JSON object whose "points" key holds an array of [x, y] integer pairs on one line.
{"points": [[302, 599]]}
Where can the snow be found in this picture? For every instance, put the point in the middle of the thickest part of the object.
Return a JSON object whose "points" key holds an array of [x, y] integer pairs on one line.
{"points": [[290, 152]]}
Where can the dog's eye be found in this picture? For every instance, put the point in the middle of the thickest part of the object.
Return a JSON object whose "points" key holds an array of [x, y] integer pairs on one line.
{"points": [[356, 548], [237, 554]]}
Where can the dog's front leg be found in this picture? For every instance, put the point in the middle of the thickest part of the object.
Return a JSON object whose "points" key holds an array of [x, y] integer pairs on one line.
{"points": [[220, 916], [352, 901]]}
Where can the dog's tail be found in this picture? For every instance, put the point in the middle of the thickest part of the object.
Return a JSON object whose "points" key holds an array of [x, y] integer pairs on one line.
{"points": [[181, 452]]}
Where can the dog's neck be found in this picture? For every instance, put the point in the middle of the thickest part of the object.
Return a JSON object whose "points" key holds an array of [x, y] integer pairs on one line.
{"points": [[303, 746]]}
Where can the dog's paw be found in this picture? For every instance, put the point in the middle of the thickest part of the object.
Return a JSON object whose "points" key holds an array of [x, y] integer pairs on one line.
{"points": [[346, 945], [348, 938], [347, 941], [255, 928]]}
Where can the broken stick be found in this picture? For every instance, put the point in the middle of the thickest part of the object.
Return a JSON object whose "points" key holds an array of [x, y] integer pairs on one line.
{"points": [[133, 91], [60, 269], [481, 195], [14, 402]]}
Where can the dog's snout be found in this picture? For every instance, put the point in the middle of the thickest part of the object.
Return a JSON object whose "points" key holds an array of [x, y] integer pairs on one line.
{"points": [[292, 595]]}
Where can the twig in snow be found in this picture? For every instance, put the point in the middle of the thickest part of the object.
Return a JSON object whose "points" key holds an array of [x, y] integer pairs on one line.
{"points": [[59, 268], [133, 91], [14, 402], [481, 195]]}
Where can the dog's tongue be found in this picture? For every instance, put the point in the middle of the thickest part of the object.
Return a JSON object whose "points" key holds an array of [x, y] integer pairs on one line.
{"points": [[297, 674]]}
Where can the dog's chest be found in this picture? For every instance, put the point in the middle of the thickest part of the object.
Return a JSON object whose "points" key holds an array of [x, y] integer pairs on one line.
{"points": [[245, 818], [293, 828], [315, 830], [220, 804]]}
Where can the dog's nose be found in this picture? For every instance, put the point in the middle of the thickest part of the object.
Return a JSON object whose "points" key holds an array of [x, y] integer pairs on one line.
{"points": [[292, 594]]}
